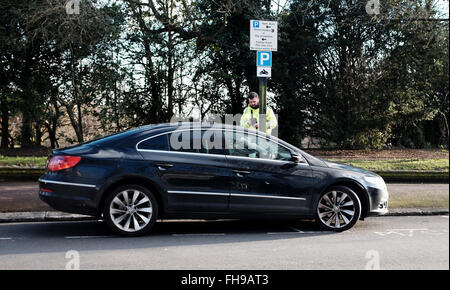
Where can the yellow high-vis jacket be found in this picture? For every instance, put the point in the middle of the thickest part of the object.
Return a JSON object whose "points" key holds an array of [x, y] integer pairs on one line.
{"points": [[249, 113]]}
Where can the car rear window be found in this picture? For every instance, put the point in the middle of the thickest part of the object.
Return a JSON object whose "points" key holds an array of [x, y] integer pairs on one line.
{"points": [[155, 143]]}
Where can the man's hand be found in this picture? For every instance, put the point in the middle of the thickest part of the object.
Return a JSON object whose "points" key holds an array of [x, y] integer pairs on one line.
{"points": [[256, 126]]}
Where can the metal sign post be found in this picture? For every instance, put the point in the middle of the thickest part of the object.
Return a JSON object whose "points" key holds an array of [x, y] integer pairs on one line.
{"points": [[264, 39], [262, 103]]}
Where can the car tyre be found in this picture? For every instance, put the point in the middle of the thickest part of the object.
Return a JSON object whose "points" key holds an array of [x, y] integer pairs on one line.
{"points": [[338, 209], [130, 210]]}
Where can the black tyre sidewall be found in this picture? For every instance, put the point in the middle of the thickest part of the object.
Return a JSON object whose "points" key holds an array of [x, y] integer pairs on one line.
{"points": [[112, 195], [355, 199]]}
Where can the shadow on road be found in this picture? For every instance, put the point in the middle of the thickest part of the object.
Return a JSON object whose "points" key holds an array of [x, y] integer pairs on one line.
{"points": [[93, 235]]}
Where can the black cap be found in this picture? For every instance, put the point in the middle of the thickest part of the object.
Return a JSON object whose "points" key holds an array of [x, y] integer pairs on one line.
{"points": [[252, 95]]}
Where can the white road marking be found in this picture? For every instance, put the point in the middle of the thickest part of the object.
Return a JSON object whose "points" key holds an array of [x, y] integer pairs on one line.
{"points": [[401, 232], [87, 237], [296, 230], [444, 216], [282, 233], [8, 238], [180, 235]]}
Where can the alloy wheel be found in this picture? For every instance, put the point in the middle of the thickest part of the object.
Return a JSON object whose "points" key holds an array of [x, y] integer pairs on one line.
{"points": [[336, 209], [131, 210]]}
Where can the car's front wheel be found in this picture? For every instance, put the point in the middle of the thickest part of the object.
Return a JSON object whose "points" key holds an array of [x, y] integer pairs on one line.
{"points": [[130, 210], [339, 209]]}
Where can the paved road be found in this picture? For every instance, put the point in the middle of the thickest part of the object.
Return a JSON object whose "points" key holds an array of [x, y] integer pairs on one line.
{"points": [[415, 242], [23, 196]]}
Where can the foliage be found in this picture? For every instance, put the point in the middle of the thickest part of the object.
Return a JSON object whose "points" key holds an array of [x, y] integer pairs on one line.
{"points": [[341, 77]]}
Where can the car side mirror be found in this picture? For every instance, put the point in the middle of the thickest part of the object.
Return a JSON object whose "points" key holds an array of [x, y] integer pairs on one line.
{"points": [[297, 158]]}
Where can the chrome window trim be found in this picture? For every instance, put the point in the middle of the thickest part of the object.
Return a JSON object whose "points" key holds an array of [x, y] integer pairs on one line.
{"points": [[274, 160], [66, 183], [175, 152], [234, 194], [203, 154]]}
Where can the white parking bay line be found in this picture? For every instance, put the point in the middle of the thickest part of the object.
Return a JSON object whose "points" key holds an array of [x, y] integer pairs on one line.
{"points": [[8, 238], [444, 216], [87, 237], [283, 233], [296, 230]]}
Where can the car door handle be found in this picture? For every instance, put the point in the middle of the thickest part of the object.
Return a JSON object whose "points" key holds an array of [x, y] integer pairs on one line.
{"points": [[241, 173], [164, 166]]}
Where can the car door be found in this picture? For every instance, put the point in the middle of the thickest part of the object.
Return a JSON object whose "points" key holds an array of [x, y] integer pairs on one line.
{"points": [[195, 178], [264, 177]]}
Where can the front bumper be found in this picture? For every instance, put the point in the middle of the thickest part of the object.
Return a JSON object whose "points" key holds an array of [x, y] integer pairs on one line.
{"points": [[379, 201]]}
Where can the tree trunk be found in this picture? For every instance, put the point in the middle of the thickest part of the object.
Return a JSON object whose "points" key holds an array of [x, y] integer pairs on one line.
{"points": [[170, 79], [26, 105], [5, 126], [38, 134], [73, 122], [80, 124], [156, 107]]}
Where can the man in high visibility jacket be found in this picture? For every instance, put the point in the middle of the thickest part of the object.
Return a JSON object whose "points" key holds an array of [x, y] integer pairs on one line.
{"points": [[250, 116]]}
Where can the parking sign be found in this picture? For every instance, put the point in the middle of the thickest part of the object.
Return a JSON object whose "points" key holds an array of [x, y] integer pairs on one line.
{"points": [[264, 58], [263, 35], [263, 72]]}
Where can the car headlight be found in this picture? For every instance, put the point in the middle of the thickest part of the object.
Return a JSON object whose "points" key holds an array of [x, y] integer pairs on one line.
{"points": [[376, 181]]}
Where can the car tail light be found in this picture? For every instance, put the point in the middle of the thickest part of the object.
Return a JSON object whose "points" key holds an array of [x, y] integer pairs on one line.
{"points": [[60, 162]]}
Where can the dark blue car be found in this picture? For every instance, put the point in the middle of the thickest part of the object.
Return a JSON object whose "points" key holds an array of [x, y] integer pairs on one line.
{"points": [[205, 171]]}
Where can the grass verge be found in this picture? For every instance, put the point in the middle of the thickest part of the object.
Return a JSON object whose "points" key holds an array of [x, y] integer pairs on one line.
{"points": [[441, 164], [22, 161]]}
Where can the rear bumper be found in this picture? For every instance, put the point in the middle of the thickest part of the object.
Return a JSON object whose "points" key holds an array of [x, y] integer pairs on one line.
{"points": [[70, 198]]}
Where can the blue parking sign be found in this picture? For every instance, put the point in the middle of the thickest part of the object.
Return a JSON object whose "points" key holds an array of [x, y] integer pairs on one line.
{"points": [[264, 58], [255, 24]]}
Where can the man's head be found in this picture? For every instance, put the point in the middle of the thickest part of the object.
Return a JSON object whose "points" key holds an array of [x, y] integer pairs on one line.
{"points": [[253, 100]]}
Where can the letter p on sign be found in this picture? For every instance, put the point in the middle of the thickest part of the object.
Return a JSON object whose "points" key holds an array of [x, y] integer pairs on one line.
{"points": [[264, 58]]}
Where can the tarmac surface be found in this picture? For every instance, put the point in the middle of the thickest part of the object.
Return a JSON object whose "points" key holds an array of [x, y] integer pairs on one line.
{"points": [[402, 242]]}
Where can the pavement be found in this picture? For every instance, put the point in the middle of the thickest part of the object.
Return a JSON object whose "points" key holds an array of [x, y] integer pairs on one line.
{"points": [[21, 197], [19, 202], [402, 242]]}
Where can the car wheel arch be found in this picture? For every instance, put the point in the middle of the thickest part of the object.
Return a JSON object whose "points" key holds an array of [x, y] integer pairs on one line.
{"points": [[358, 188], [138, 180]]}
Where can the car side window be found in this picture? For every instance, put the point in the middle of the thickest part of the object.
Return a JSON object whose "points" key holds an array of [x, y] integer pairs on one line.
{"points": [[183, 141], [156, 143], [237, 145], [212, 142], [248, 145], [196, 141]]}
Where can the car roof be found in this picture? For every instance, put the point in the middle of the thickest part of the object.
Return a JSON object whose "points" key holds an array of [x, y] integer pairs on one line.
{"points": [[135, 134], [169, 127], [132, 136]]}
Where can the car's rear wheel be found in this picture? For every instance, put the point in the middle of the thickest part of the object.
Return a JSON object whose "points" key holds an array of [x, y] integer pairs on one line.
{"points": [[130, 210], [339, 209]]}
